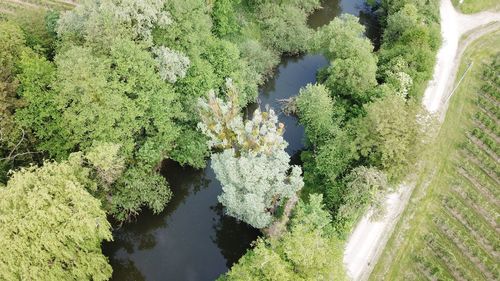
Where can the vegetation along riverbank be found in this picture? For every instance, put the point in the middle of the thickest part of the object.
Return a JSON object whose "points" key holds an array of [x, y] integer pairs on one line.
{"points": [[141, 121]]}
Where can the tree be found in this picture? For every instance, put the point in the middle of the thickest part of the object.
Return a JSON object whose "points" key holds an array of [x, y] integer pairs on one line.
{"points": [[334, 156], [224, 17], [261, 59], [365, 187], [253, 185], [112, 97], [172, 65], [99, 21], [316, 112], [12, 45], [410, 41], [308, 251], [401, 21], [35, 24], [284, 27], [390, 134], [52, 228], [353, 66], [253, 167], [13, 140]]}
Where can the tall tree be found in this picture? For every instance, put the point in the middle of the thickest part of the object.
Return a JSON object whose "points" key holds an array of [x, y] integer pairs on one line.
{"points": [[253, 167], [13, 140], [52, 228], [351, 74], [390, 134]]}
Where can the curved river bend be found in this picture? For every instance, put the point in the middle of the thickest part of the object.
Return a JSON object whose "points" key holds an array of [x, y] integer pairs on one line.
{"points": [[192, 239]]}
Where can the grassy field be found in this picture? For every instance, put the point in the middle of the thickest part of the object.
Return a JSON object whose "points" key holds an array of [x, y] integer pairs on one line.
{"points": [[474, 6], [450, 229], [11, 7]]}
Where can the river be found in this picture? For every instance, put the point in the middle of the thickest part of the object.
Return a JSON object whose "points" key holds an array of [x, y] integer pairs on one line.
{"points": [[192, 239]]}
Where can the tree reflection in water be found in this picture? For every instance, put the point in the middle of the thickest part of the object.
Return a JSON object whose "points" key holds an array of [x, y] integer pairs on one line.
{"points": [[232, 236]]}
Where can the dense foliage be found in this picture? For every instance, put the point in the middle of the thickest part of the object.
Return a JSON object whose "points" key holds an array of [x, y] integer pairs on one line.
{"points": [[309, 251], [351, 74], [130, 73], [52, 228], [364, 120], [111, 88], [410, 41]]}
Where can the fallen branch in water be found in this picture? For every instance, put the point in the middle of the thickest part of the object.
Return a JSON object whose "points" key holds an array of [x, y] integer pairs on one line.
{"points": [[289, 105]]}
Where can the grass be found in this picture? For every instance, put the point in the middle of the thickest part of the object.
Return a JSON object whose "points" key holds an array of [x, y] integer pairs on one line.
{"points": [[474, 6], [11, 7], [450, 229]]}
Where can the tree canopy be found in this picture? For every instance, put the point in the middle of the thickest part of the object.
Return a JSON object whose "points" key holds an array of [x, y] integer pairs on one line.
{"points": [[352, 71], [307, 252], [52, 228]]}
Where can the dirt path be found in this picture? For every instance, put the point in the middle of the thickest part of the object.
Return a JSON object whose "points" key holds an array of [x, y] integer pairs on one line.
{"points": [[453, 26], [368, 239]]}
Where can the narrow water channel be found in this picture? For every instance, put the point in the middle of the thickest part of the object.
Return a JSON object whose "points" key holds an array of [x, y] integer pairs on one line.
{"points": [[192, 239]]}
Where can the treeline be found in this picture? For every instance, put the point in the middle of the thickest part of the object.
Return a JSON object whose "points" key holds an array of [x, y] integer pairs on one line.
{"points": [[363, 121]]}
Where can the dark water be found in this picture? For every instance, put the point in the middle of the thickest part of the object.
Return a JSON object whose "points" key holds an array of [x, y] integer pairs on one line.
{"points": [[358, 8], [192, 239]]}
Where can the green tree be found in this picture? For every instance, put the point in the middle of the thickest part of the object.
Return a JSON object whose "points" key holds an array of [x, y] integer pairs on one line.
{"points": [[410, 41], [224, 17], [309, 251], [52, 228], [39, 36], [14, 142], [364, 188], [113, 97], [334, 156], [261, 59], [317, 113], [284, 27], [390, 135], [12, 45], [352, 71]]}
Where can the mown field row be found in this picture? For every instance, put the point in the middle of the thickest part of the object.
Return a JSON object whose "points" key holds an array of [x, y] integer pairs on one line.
{"points": [[475, 6], [11, 7], [451, 228]]}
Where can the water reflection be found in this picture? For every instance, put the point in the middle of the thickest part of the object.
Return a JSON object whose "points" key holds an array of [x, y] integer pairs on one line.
{"points": [[190, 240], [126, 270], [367, 16], [226, 230]]}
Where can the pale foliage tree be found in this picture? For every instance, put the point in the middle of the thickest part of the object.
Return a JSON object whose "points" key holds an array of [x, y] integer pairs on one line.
{"points": [[253, 184], [224, 125], [253, 166], [172, 65], [94, 18], [106, 160]]}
